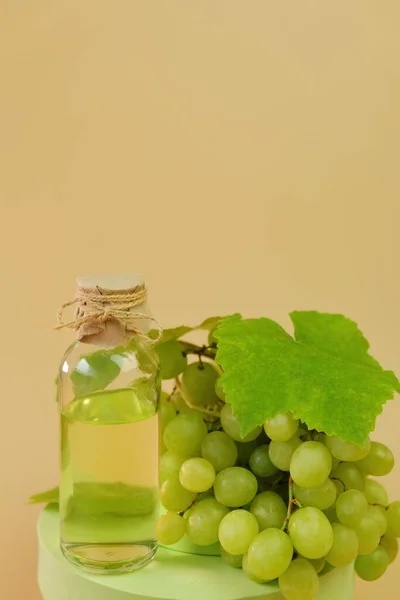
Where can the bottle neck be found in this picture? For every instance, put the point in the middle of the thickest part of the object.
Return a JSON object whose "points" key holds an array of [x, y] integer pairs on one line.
{"points": [[110, 311], [115, 332], [113, 308]]}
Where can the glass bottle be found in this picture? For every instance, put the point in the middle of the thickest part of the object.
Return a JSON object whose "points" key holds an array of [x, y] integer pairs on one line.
{"points": [[109, 385]]}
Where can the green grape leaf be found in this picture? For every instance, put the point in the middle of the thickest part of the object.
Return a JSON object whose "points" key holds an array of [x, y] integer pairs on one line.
{"points": [[175, 333], [324, 376], [47, 497], [334, 334], [211, 322], [94, 372]]}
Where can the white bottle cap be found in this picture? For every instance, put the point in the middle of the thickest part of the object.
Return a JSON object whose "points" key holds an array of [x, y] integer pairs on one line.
{"points": [[123, 281]]}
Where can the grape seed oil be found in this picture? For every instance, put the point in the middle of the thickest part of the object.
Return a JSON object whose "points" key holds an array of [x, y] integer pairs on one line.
{"points": [[109, 504], [108, 480]]}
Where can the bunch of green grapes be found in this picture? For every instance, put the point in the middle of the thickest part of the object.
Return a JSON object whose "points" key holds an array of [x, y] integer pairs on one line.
{"points": [[284, 503]]}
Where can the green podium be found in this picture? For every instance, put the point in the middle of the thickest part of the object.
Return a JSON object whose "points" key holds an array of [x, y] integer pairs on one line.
{"points": [[171, 576]]}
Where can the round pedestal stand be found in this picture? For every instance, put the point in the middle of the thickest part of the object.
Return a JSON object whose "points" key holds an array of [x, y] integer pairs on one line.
{"points": [[171, 576]]}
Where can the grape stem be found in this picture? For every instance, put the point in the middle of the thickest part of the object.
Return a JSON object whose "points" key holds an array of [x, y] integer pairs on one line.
{"points": [[292, 502], [182, 513], [189, 348]]}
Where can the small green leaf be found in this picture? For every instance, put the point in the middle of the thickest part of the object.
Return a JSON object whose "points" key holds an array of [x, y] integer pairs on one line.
{"points": [[178, 332], [172, 359], [326, 377], [94, 372], [175, 333], [47, 497], [211, 322]]}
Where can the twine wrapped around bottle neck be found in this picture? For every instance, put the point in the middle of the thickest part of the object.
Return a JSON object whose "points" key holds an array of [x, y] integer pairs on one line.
{"points": [[95, 307]]}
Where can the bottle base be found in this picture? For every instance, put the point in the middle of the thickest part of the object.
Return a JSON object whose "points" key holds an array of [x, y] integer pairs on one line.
{"points": [[109, 558]]}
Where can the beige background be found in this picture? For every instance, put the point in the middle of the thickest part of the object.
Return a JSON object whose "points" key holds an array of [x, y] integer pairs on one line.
{"points": [[243, 154]]}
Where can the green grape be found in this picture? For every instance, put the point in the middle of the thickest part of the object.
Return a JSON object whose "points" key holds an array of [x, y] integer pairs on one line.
{"points": [[198, 384], [300, 581], [178, 401], [170, 464], [265, 484], [282, 427], [345, 546], [375, 493], [173, 495], [317, 563], [310, 465], [260, 462], [393, 518], [368, 533], [262, 486], [346, 451], [186, 513], [220, 450], [372, 566], [231, 426], [330, 514], [170, 528], [335, 462], [379, 461], [269, 509], [339, 486], [230, 559], [391, 545], [185, 434], [235, 487], [172, 359], [379, 514], [205, 496], [351, 507], [204, 520], [219, 391], [270, 554], [327, 569], [321, 497], [281, 453], [197, 475], [245, 450], [190, 410], [262, 439], [310, 532], [248, 572], [350, 475], [167, 412], [237, 530]]}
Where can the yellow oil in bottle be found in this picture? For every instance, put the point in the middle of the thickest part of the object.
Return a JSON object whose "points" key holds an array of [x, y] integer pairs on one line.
{"points": [[108, 489]]}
